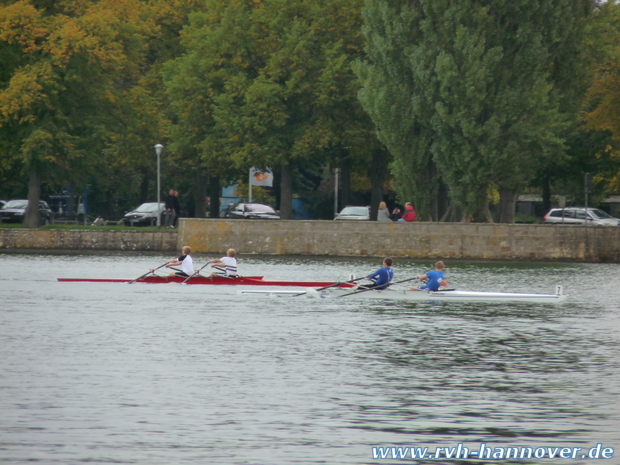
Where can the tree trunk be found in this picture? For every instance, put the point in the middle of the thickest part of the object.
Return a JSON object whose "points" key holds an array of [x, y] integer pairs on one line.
{"points": [[144, 187], [345, 183], [507, 205], [447, 214], [442, 201], [214, 195], [72, 208], [286, 192], [200, 196], [546, 192], [31, 215], [376, 179]]}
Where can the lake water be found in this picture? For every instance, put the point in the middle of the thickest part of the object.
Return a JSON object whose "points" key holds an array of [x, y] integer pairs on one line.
{"points": [[178, 374]]}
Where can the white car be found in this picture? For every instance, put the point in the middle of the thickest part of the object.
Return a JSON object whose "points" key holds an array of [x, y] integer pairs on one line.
{"points": [[580, 215], [252, 211]]}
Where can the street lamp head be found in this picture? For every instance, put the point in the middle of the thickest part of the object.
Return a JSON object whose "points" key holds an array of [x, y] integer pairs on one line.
{"points": [[158, 149]]}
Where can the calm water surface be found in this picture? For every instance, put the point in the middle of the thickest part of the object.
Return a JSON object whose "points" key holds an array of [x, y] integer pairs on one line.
{"points": [[172, 374]]}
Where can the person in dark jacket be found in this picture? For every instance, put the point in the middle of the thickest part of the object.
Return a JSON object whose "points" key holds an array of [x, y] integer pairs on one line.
{"points": [[176, 206], [169, 211], [396, 214]]}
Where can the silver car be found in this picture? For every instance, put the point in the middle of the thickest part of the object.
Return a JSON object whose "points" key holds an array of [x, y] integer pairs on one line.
{"points": [[354, 213], [580, 215]]}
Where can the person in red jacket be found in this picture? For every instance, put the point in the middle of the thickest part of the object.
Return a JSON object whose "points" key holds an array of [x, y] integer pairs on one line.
{"points": [[409, 215]]}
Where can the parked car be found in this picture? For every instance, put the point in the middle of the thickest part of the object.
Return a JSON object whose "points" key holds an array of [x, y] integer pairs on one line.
{"points": [[144, 215], [579, 215], [13, 212], [354, 213], [257, 211]]}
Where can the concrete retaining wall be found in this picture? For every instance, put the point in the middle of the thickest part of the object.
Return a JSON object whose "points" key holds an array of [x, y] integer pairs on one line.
{"points": [[346, 238], [80, 239], [416, 240]]}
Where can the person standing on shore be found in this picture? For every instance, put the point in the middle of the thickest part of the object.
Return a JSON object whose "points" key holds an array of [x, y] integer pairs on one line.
{"points": [[176, 206], [169, 211]]}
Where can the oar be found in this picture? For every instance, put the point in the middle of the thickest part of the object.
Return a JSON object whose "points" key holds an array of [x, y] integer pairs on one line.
{"points": [[145, 274], [195, 273], [331, 285], [375, 287], [340, 284]]}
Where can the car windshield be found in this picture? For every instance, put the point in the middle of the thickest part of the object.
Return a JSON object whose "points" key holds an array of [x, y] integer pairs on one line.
{"points": [[147, 207], [258, 208], [599, 214], [354, 211], [16, 204]]}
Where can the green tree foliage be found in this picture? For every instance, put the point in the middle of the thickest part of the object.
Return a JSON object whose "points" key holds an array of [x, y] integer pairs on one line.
{"points": [[67, 72], [269, 84], [485, 92], [392, 98], [602, 104]]}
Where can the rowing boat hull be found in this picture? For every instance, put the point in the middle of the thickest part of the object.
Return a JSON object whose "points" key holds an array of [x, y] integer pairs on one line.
{"points": [[217, 280], [420, 296], [448, 296]]}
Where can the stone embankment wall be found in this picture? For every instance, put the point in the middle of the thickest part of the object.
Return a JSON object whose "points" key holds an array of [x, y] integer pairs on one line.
{"points": [[346, 238], [80, 239], [415, 240]]}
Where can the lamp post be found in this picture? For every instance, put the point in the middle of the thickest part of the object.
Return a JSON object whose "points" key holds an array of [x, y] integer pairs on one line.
{"points": [[158, 149]]}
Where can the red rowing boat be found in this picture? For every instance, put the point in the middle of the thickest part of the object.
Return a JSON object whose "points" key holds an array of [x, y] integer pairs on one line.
{"points": [[217, 280]]}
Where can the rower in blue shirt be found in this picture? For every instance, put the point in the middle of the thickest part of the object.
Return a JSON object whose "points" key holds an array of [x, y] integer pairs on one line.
{"points": [[434, 279], [382, 276]]}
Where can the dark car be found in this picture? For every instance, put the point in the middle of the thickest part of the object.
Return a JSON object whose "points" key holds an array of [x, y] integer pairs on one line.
{"points": [[13, 212], [253, 211], [144, 215]]}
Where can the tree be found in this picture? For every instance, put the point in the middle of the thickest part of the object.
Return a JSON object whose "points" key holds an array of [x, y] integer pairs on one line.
{"points": [[269, 84], [68, 66], [602, 117], [472, 93], [389, 96]]}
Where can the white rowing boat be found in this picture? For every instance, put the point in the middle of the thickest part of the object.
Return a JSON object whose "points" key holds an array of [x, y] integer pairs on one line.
{"points": [[452, 295]]}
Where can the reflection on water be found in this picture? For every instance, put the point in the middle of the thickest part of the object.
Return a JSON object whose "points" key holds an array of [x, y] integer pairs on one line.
{"points": [[166, 374]]}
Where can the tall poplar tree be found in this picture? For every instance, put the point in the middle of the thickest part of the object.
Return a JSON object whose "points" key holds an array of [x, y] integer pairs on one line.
{"points": [[483, 90]]}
